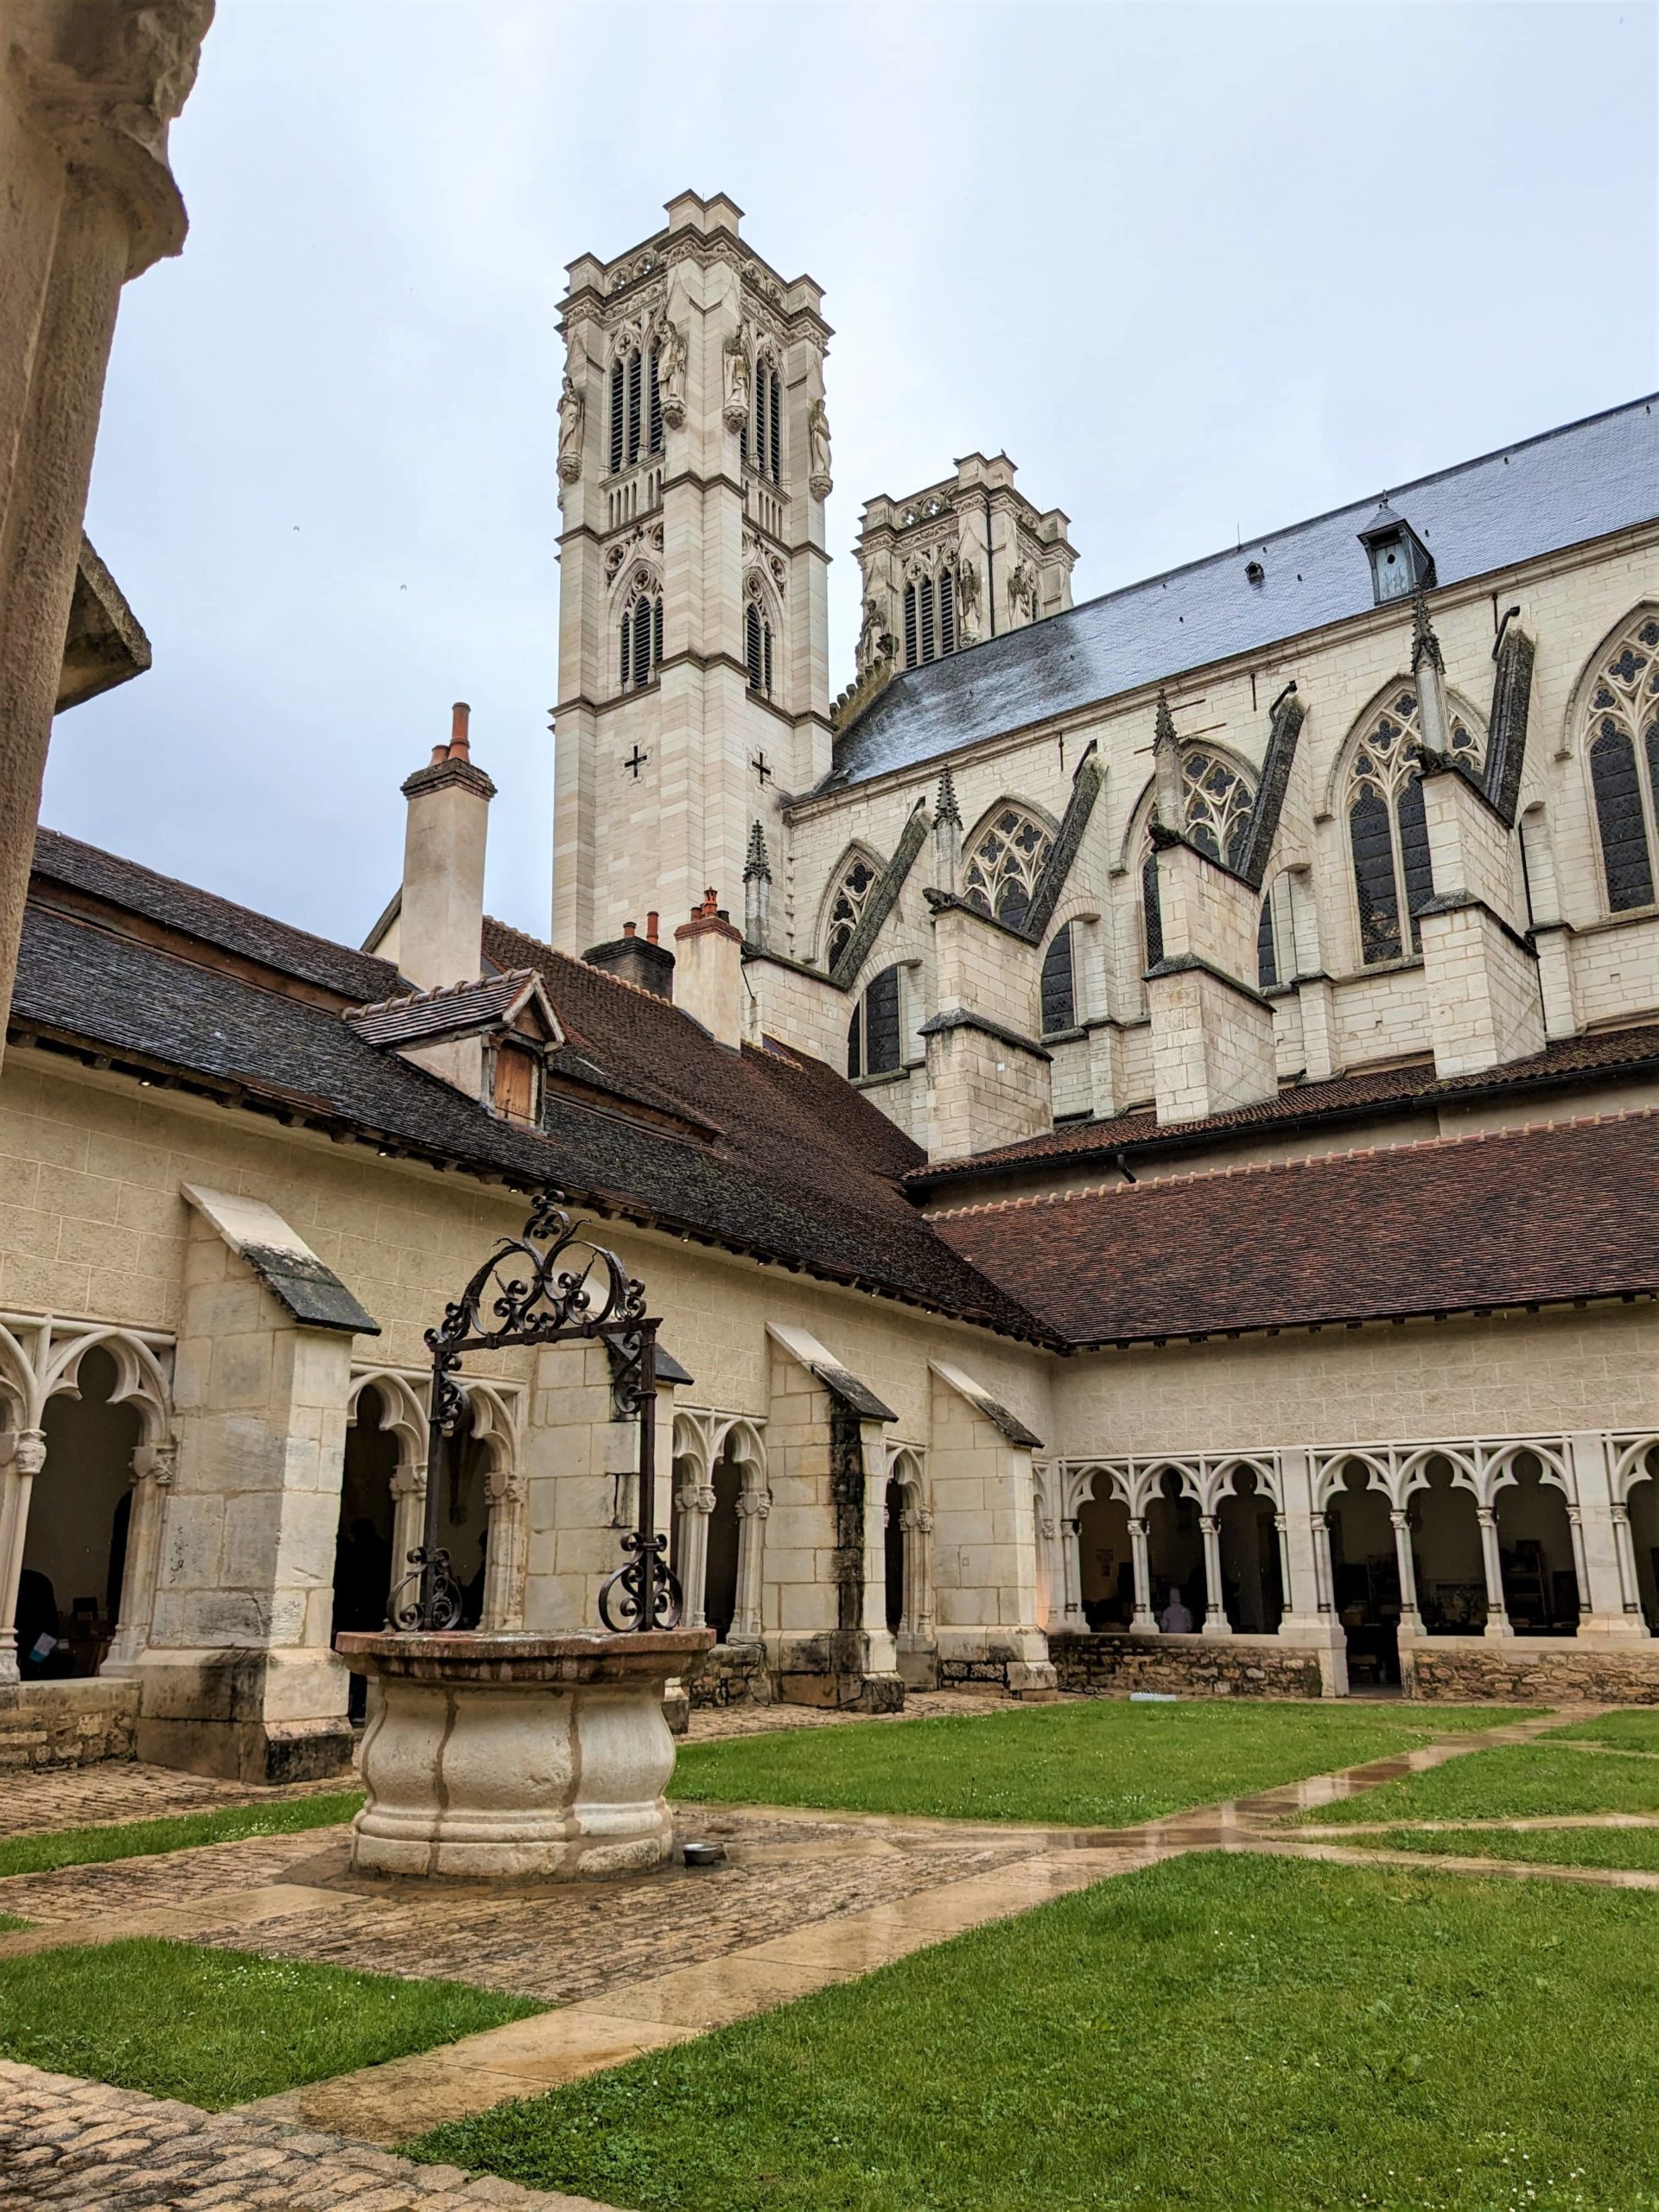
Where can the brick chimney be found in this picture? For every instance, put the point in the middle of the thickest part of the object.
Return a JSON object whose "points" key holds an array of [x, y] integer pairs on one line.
{"points": [[637, 959], [441, 918], [709, 971]]}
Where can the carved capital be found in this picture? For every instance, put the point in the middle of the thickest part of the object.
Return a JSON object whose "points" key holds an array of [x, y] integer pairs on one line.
{"points": [[102, 80], [409, 1482], [505, 1486], [23, 1449], [156, 1463], [756, 1503]]}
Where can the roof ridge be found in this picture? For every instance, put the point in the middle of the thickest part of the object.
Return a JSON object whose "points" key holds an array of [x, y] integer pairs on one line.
{"points": [[1438, 1143], [586, 966]]}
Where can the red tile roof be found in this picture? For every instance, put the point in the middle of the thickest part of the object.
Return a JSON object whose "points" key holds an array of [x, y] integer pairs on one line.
{"points": [[1399, 1089], [1531, 1216]]}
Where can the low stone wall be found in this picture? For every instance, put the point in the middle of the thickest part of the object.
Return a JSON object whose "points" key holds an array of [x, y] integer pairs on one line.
{"points": [[733, 1673], [67, 1724], [1108, 1665], [1529, 1669]]}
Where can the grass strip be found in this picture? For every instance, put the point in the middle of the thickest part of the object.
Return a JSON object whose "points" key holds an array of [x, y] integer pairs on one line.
{"points": [[92, 1847], [216, 2028], [1512, 1782], [1104, 1764], [1634, 1730], [1218, 2034], [1636, 1850]]}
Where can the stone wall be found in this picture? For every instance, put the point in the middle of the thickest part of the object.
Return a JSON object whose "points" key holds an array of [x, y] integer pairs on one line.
{"points": [[1525, 1670], [67, 1724], [733, 1673], [1191, 1665]]}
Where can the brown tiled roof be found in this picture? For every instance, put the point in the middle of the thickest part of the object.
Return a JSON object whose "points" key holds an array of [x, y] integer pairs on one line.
{"points": [[1398, 1089], [452, 1010], [768, 1155], [1532, 1216]]}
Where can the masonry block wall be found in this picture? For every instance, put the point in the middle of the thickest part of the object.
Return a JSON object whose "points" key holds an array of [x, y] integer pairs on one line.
{"points": [[986, 1565]]}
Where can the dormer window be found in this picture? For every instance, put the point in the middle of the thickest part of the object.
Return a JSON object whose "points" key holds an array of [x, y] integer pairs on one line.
{"points": [[1401, 563], [516, 1083]]}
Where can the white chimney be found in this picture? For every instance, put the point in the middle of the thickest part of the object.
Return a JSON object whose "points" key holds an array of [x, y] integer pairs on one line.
{"points": [[709, 971], [441, 923]]}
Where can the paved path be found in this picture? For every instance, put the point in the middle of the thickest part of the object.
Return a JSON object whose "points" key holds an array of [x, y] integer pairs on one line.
{"points": [[805, 1899]]}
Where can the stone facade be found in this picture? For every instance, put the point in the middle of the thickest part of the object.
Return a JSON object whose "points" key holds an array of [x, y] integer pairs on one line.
{"points": [[68, 1724], [1467, 1671], [1182, 1666]]}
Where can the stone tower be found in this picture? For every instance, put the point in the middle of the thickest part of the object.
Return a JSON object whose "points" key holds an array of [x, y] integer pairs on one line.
{"points": [[694, 463]]}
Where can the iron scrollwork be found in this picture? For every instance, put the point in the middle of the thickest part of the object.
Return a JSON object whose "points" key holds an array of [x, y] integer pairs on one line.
{"points": [[551, 1285]]}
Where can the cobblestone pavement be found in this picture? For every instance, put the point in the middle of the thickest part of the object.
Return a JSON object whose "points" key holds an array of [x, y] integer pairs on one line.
{"points": [[80, 2147]]}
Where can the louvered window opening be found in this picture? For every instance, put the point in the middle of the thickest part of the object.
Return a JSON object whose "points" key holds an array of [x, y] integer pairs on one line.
{"points": [[757, 649], [1267, 959], [1623, 774], [1059, 994], [1388, 830], [641, 640], [930, 618], [636, 409], [872, 1035], [1152, 920], [762, 433]]}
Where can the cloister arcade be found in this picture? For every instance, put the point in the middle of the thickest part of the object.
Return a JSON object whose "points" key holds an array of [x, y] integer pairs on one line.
{"points": [[720, 1504]]}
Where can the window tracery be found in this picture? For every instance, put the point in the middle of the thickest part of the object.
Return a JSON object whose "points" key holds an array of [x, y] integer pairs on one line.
{"points": [[1217, 800], [1622, 746], [757, 637], [847, 908], [1003, 865], [763, 431], [639, 632], [636, 421], [1388, 831]]}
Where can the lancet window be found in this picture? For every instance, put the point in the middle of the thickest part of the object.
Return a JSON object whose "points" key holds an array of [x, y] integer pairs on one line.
{"points": [[1388, 831], [640, 636], [636, 406], [757, 647], [873, 1036], [763, 433], [847, 906], [1623, 748], [929, 618], [1005, 863], [1059, 989]]}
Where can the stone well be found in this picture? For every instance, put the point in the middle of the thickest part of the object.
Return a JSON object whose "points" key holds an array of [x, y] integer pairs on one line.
{"points": [[539, 1756]]}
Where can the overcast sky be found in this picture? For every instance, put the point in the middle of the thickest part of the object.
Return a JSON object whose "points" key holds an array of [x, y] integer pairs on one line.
{"points": [[1199, 270]]}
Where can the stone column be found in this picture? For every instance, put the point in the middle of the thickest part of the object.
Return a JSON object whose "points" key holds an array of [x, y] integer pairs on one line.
{"points": [[1498, 1619], [1324, 1577], [753, 1508], [153, 1466], [695, 1502], [1215, 1612], [1281, 1529], [1411, 1620], [1144, 1621], [22, 1455], [918, 1570], [504, 1554], [881, 1644], [1072, 1613], [1630, 1583], [1580, 1563], [1610, 1602], [408, 1488], [85, 99]]}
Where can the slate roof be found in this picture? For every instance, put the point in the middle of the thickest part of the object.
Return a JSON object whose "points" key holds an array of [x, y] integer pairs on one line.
{"points": [[794, 1165], [1535, 1216], [1559, 489], [453, 1011], [1400, 1091]]}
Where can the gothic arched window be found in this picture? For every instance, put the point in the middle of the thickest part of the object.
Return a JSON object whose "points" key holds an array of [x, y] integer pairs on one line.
{"points": [[847, 906], [1004, 864], [762, 433], [757, 648], [1060, 988], [636, 406], [1218, 803], [929, 618], [1622, 746], [1387, 832], [640, 636], [873, 1034]]}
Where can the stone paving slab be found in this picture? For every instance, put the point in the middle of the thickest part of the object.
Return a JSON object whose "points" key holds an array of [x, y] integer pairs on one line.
{"points": [[80, 2147]]}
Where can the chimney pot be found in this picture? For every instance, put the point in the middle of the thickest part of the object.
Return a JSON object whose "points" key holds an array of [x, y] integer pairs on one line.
{"points": [[628, 928], [440, 753], [461, 744], [651, 926]]}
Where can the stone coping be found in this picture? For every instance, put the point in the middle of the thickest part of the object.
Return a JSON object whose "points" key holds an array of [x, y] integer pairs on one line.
{"points": [[510, 1657]]}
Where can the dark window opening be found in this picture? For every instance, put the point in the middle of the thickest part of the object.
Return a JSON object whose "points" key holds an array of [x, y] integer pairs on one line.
{"points": [[1152, 919], [1059, 986], [1372, 843], [1266, 963], [1618, 817]]}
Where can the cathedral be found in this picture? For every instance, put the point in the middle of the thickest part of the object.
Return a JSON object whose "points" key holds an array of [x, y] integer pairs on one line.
{"points": [[1139, 1119]]}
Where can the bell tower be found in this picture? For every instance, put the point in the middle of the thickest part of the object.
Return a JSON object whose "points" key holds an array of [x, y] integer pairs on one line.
{"points": [[694, 463]]}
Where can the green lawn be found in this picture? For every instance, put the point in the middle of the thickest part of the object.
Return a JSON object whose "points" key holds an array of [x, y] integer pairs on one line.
{"points": [[1104, 1764], [1637, 1848], [39, 1854], [215, 2028], [12, 1920], [1513, 1783], [1216, 2034], [1634, 1730]]}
